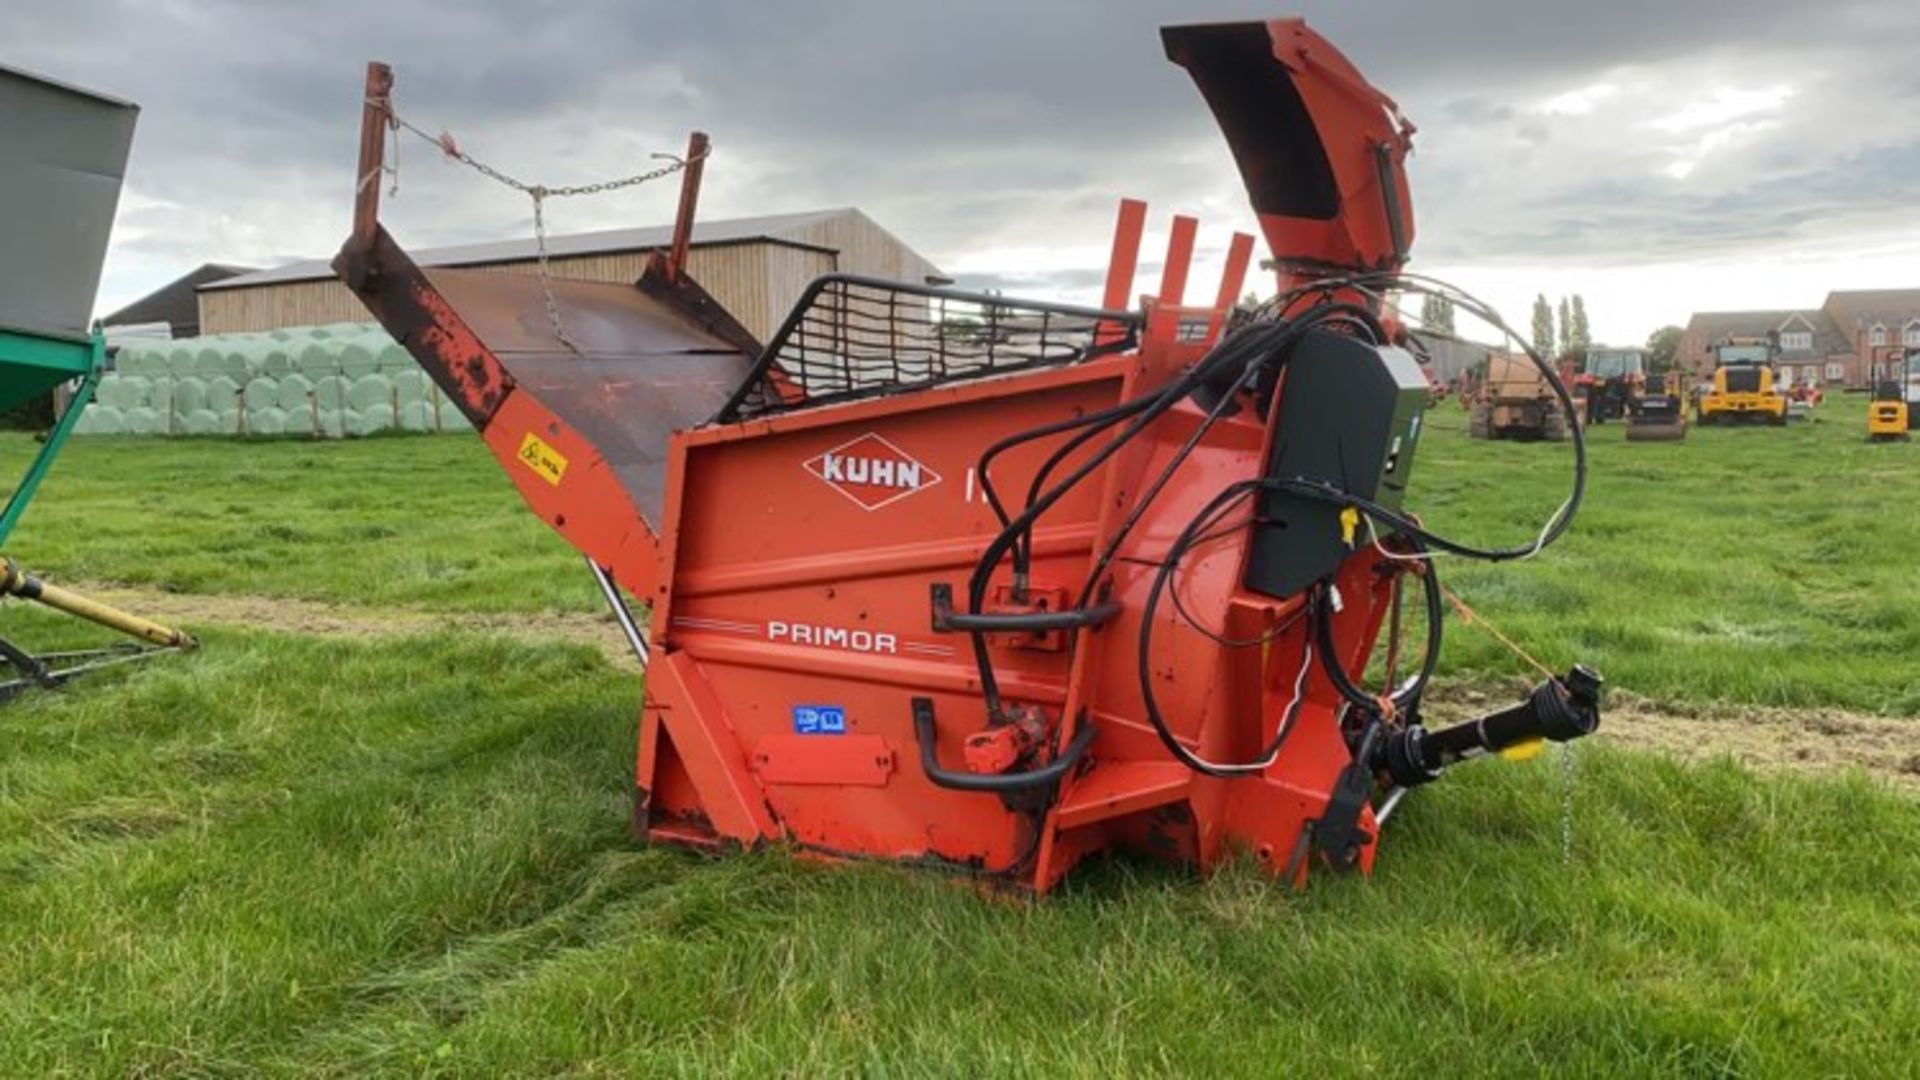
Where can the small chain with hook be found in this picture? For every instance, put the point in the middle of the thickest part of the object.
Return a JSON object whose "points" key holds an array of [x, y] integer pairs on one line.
{"points": [[537, 193]]}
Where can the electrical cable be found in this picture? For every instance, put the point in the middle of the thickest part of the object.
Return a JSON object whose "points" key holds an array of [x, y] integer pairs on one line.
{"points": [[1263, 360], [1227, 497], [1157, 404], [1260, 347]]}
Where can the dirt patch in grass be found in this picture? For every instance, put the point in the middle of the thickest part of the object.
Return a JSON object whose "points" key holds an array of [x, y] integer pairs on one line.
{"points": [[1772, 739], [1804, 740], [191, 610]]}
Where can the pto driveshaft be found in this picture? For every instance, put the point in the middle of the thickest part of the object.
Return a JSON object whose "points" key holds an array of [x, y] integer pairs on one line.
{"points": [[16, 581]]}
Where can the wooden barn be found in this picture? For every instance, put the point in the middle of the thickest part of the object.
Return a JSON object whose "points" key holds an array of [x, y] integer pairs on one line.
{"points": [[756, 266]]}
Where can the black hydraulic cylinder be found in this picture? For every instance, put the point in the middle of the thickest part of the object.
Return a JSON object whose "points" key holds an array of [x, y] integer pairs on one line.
{"points": [[1558, 710]]}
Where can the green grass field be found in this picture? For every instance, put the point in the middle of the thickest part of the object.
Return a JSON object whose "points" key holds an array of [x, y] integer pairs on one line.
{"points": [[306, 854]]}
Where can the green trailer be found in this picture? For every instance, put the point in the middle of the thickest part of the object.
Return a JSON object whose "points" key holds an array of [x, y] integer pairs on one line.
{"points": [[32, 367], [63, 152]]}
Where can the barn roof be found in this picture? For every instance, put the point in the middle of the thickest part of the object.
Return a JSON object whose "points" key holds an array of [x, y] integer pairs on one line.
{"points": [[173, 303], [775, 228]]}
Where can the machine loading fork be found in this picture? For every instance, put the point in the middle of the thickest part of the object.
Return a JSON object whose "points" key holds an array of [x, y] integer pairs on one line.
{"points": [[946, 578]]}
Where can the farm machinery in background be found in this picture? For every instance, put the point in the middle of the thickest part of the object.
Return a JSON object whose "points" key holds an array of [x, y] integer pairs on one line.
{"points": [[59, 183], [1660, 411], [1516, 398], [1894, 408], [1743, 388], [1613, 384], [1610, 383], [1099, 578]]}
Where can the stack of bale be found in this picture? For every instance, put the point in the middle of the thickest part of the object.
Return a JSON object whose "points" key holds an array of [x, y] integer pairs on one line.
{"points": [[343, 379]]}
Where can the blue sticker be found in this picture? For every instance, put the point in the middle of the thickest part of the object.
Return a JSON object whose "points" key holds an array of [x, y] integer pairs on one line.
{"points": [[819, 720]]}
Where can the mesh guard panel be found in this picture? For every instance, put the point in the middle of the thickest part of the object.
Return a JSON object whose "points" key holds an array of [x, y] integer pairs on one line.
{"points": [[854, 337]]}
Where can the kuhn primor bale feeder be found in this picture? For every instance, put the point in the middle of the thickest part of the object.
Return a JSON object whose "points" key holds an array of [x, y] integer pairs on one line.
{"points": [[996, 585]]}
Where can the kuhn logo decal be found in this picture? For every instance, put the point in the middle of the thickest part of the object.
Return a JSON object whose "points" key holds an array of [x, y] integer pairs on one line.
{"points": [[872, 471]]}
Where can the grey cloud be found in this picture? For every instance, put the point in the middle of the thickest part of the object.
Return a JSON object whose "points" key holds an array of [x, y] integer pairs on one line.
{"points": [[966, 127]]}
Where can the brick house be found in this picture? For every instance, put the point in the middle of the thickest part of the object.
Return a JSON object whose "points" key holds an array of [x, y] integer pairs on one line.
{"points": [[1883, 325], [1847, 341]]}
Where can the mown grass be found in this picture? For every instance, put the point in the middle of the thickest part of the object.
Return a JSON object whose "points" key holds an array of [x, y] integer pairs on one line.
{"points": [[288, 854], [418, 521], [294, 855], [1754, 565]]}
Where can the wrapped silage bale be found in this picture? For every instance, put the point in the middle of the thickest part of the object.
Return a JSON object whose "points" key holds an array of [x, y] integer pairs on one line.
{"points": [[200, 422], [411, 386], [248, 353], [332, 423], [141, 420], [295, 392], [268, 421], [369, 391], [389, 355], [180, 361], [189, 395], [131, 393], [331, 391], [222, 394], [356, 358], [134, 360], [370, 420], [230, 416], [451, 418], [215, 361], [339, 330], [276, 360], [336, 356], [107, 420], [283, 334], [318, 358], [416, 416], [260, 393], [160, 400], [84, 425]]}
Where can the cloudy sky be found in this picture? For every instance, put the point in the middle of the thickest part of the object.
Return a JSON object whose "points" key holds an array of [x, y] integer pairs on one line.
{"points": [[1656, 157]]}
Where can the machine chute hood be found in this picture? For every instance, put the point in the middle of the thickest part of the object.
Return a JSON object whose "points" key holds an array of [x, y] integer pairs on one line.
{"points": [[1322, 152]]}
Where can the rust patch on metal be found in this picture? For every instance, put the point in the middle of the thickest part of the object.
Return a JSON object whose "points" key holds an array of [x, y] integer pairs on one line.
{"points": [[410, 308]]}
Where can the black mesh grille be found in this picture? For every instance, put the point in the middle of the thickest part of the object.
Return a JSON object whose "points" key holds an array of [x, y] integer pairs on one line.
{"points": [[853, 337], [1743, 380]]}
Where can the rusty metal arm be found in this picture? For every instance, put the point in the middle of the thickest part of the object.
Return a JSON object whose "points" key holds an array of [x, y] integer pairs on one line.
{"points": [[376, 116], [697, 147]]}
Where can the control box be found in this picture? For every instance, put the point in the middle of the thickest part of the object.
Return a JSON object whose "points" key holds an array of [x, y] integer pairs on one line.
{"points": [[1350, 415]]}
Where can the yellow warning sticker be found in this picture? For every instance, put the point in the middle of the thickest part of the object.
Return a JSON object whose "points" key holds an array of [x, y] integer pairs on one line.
{"points": [[535, 454]]}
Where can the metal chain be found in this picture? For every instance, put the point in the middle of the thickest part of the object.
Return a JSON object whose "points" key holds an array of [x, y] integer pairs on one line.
{"points": [[539, 197], [538, 193]]}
